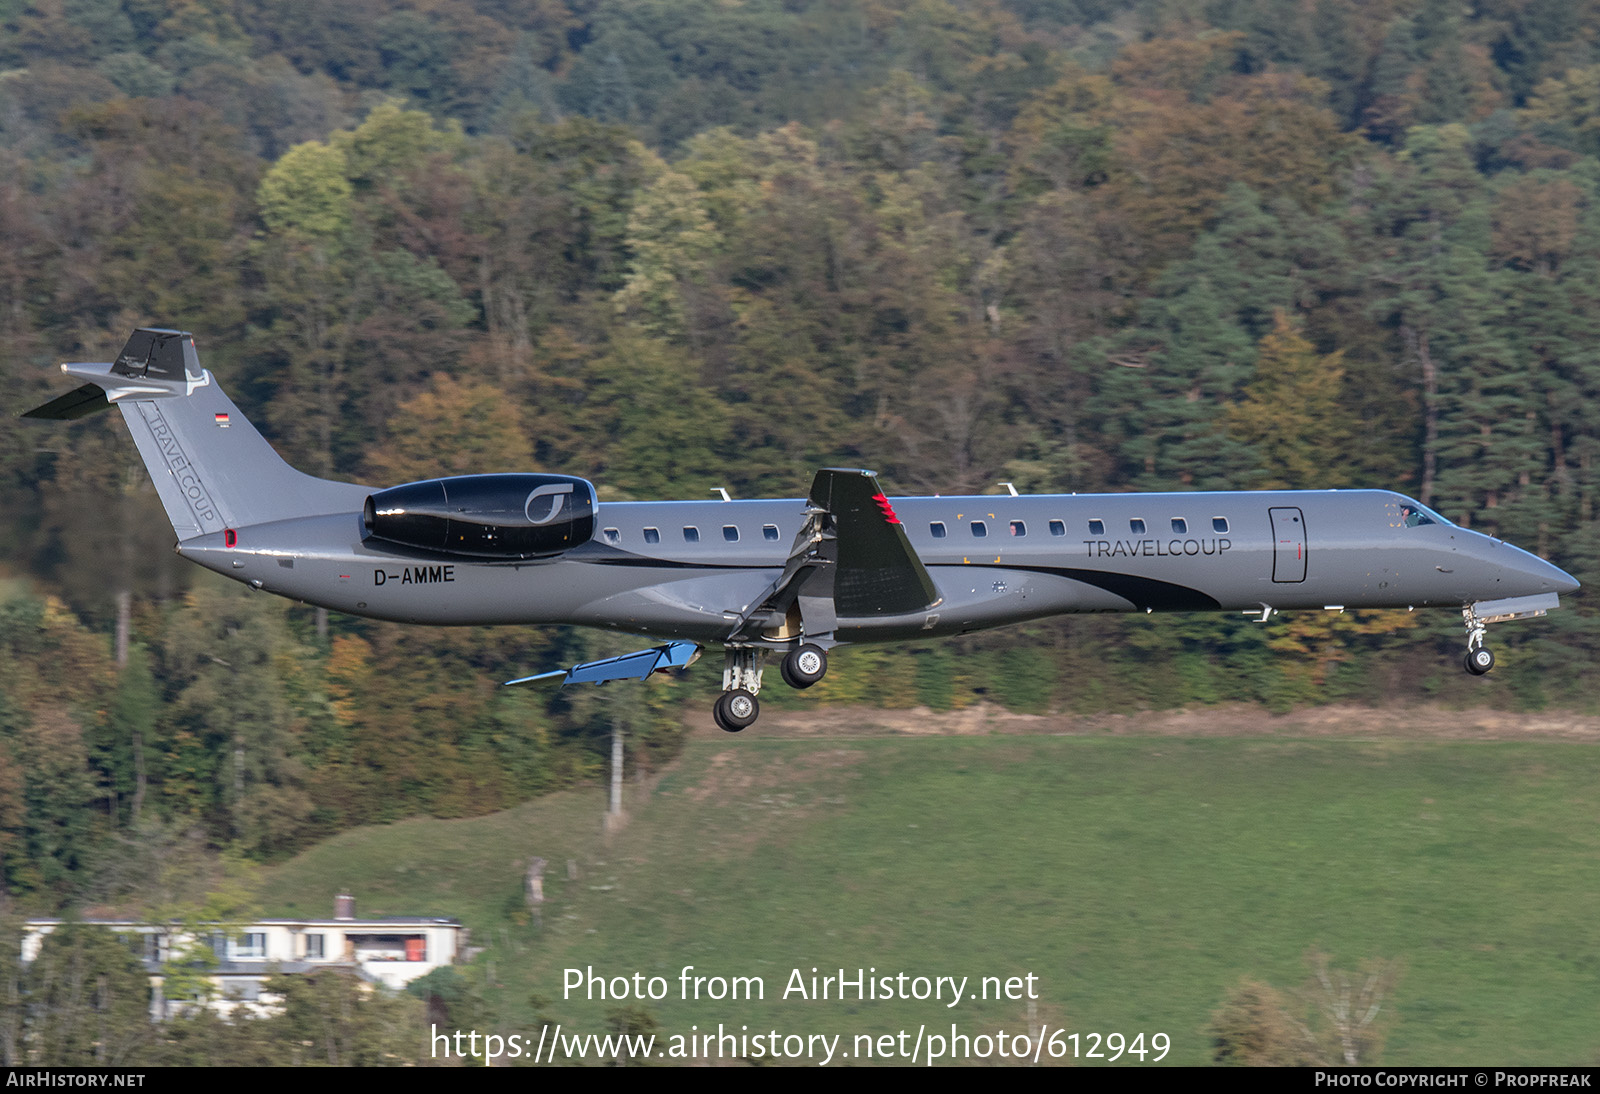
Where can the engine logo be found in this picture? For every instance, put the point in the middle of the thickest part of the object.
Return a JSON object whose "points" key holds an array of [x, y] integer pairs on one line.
{"points": [[557, 492]]}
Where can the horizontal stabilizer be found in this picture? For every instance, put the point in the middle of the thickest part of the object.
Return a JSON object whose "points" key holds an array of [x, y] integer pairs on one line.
{"points": [[78, 403], [629, 666]]}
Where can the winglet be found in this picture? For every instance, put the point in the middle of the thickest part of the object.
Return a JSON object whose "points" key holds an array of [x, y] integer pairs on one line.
{"points": [[878, 572]]}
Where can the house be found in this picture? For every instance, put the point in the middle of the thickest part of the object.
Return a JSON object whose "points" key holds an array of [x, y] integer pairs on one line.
{"points": [[393, 951]]}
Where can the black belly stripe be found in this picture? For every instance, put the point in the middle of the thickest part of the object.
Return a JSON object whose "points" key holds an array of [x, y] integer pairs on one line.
{"points": [[1142, 592]]}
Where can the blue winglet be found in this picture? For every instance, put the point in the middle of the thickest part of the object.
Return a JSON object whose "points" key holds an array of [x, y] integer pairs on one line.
{"points": [[629, 666]]}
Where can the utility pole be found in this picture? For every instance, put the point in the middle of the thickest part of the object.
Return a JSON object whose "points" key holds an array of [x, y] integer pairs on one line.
{"points": [[616, 765]]}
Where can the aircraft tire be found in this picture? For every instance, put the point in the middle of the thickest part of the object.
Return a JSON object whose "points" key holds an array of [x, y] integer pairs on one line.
{"points": [[735, 710], [804, 666], [1479, 661]]}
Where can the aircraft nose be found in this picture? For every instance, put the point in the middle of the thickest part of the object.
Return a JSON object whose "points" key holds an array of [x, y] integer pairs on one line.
{"points": [[1564, 582], [1539, 576]]}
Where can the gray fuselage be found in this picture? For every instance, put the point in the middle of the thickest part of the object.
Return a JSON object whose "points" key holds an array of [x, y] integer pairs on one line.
{"points": [[995, 559]]}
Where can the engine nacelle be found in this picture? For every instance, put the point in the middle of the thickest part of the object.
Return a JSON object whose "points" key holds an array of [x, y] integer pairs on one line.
{"points": [[485, 516]]}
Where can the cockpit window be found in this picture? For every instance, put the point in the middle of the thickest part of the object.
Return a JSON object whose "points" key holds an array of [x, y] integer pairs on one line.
{"points": [[1406, 513]]}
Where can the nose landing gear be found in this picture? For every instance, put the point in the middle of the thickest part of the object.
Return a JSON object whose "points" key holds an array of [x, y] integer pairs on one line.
{"points": [[1479, 659], [1480, 615]]}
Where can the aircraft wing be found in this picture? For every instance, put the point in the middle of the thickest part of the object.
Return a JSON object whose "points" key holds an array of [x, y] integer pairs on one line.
{"points": [[629, 666], [851, 558]]}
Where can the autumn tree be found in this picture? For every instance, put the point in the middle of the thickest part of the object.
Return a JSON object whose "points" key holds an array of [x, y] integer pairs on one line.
{"points": [[1290, 417], [1336, 1018], [452, 428], [1255, 1027]]}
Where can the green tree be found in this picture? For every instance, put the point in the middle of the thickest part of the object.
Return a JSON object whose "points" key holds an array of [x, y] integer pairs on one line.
{"points": [[335, 1019], [88, 1000], [223, 656], [1427, 215], [308, 194], [197, 934], [1163, 397], [666, 435], [13, 999], [671, 237], [119, 747], [352, 316]]}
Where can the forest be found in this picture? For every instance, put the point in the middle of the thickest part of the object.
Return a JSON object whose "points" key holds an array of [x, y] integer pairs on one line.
{"points": [[1078, 245]]}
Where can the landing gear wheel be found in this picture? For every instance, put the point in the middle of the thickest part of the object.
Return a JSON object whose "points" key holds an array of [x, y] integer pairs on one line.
{"points": [[803, 667], [1479, 661], [734, 710]]}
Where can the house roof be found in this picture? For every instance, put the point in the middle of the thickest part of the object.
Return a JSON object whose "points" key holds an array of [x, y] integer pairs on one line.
{"points": [[386, 921]]}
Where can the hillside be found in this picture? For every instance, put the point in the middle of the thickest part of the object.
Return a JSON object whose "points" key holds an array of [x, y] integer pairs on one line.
{"points": [[1139, 878]]}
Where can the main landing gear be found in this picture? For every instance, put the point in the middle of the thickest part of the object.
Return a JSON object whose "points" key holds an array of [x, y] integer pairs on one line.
{"points": [[735, 709], [804, 666], [737, 706], [1479, 659]]}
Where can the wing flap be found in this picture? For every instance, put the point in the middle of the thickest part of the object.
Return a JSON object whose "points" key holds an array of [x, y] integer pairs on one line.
{"points": [[628, 666]]}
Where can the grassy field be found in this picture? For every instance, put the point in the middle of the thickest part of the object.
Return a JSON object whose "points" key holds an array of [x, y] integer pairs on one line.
{"points": [[1137, 879]]}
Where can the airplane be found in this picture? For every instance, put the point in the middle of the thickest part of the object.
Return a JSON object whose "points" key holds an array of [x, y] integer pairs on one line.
{"points": [[786, 578]]}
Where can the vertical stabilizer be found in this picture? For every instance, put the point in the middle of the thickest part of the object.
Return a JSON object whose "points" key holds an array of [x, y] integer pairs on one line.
{"points": [[211, 468]]}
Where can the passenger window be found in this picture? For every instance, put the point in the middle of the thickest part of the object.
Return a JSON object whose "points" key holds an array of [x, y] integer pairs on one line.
{"points": [[1097, 527], [691, 534], [1018, 528], [769, 531], [1136, 526], [1058, 528], [937, 528], [612, 535], [652, 535], [1219, 524], [979, 529], [1180, 526], [730, 533]]}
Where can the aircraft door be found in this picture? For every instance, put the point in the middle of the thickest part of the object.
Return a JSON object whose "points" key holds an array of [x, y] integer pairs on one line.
{"points": [[1288, 544]]}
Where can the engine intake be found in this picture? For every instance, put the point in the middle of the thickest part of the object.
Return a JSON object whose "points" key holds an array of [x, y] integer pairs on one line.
{"points": [[485, 516]]}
